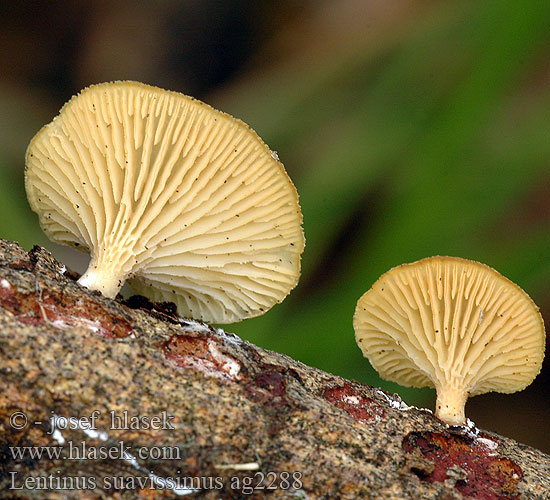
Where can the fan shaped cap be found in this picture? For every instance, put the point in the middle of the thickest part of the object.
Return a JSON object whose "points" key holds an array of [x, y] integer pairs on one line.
{"points": [[452, 324], [162, 189]]}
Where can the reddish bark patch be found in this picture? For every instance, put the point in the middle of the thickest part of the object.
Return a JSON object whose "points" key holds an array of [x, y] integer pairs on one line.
{"points": [[353, 402], [61, 311], [201, 353], [268, 387], [271, 381], [168, 308], [22, 265], [473, 462]]}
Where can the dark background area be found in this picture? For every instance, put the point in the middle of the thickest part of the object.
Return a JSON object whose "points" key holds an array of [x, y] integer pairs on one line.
{"points": [[410, 128]]}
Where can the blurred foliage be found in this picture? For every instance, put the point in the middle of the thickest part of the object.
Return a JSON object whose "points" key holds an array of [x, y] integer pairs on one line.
{"points": [[426, 145], [16, 221], [425, 134]]}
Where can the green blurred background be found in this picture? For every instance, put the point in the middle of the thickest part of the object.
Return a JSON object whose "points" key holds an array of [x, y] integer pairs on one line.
{"points": [[410, 128]]}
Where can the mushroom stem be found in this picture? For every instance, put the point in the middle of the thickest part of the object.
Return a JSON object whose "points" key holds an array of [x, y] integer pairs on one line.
{"points": [[450, 404], [108, 283]]}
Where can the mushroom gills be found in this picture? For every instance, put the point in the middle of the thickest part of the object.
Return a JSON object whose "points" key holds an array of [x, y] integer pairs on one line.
{"points": [[167, 192], [453, 324]]}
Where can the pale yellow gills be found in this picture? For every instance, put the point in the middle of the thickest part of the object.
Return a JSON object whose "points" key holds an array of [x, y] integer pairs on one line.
{"points": [[452, 324], [162, 189]]}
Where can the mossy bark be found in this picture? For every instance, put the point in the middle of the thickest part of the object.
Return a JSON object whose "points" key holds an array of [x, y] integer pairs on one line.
{"points": [[217, 416]]}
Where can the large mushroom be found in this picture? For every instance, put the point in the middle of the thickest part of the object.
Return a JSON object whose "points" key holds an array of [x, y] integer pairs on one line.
{"points": [[452, 324], [185, 201]]}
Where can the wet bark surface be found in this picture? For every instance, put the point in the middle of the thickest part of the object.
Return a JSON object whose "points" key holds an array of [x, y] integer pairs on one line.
{"points": [[138, 403]]}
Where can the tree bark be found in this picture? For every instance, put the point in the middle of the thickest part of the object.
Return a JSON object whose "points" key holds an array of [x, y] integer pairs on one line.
{"points": [[142, 404]]}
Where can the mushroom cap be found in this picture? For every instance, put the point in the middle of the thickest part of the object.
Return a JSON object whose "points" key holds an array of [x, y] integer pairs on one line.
{"points": [[162, 189], [450, 323]]}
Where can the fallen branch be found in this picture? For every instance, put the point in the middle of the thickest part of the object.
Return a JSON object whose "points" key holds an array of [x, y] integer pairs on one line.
{"points": [[142, 404]]}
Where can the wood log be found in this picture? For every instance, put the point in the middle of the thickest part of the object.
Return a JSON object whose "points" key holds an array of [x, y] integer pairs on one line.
{"points": [[123, 399]]}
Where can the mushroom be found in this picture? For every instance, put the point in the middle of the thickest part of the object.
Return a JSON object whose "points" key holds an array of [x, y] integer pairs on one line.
{"points": [[183, 200], [453, 324]]}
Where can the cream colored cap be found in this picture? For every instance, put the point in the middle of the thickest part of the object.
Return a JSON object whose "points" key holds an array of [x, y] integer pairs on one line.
{"points": [[162, 189], [452, 324]]}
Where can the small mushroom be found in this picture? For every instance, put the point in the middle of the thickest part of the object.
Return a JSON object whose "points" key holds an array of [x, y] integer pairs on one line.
{"points": [[185, 201], [452, 324]]}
